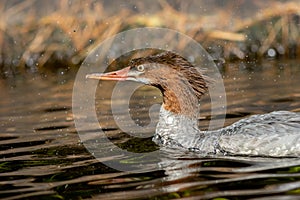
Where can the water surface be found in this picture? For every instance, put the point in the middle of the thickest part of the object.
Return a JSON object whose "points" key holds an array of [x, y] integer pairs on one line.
{"points": [[42, 156]]}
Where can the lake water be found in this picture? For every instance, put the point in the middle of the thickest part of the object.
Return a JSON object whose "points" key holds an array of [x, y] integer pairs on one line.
{"points": [[42, 156]]}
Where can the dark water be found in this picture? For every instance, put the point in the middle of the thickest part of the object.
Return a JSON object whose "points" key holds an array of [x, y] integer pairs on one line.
{"points": [[42, 157]]}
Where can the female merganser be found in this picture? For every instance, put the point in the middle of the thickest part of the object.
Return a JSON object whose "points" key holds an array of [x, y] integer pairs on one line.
{"points": [[275, 134]]}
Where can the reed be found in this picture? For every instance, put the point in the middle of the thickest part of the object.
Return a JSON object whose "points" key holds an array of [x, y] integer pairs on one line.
{"points": [[68, 32]]}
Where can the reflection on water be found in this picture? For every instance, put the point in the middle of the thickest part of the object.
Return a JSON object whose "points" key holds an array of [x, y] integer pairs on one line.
{"points": [[42, 156]]}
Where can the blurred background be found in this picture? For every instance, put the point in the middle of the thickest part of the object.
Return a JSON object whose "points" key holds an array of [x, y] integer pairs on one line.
{"points": [[35, 34]]}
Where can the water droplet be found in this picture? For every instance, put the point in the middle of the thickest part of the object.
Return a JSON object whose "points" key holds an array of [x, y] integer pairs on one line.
{"points": [[280, 49], [271, 52]]}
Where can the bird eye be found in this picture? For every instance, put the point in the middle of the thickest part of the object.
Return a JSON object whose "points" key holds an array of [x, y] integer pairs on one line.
{"points": [[140, 68]]}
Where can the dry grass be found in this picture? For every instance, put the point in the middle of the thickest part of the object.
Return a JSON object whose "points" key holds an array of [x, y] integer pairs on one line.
{"points": [[66, 34]]}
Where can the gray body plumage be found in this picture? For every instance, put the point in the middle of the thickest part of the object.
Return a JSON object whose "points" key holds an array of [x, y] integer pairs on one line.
{"points": [[276, 134]]}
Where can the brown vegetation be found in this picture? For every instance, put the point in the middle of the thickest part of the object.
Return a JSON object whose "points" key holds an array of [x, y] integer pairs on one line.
{"points": [[66, 34]]}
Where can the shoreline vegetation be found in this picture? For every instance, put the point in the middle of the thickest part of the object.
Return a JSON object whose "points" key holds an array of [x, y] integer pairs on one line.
{"points": [[64, 35]]}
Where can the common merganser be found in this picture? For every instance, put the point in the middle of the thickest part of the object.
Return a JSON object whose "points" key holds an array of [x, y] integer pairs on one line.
{"points": [[276, 134]]}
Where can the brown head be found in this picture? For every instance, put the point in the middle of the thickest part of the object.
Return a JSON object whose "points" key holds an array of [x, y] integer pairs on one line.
{"points": [[181, 84]]}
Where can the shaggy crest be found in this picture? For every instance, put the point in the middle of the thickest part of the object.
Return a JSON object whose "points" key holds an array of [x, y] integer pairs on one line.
{"points": [[195, 78]]}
